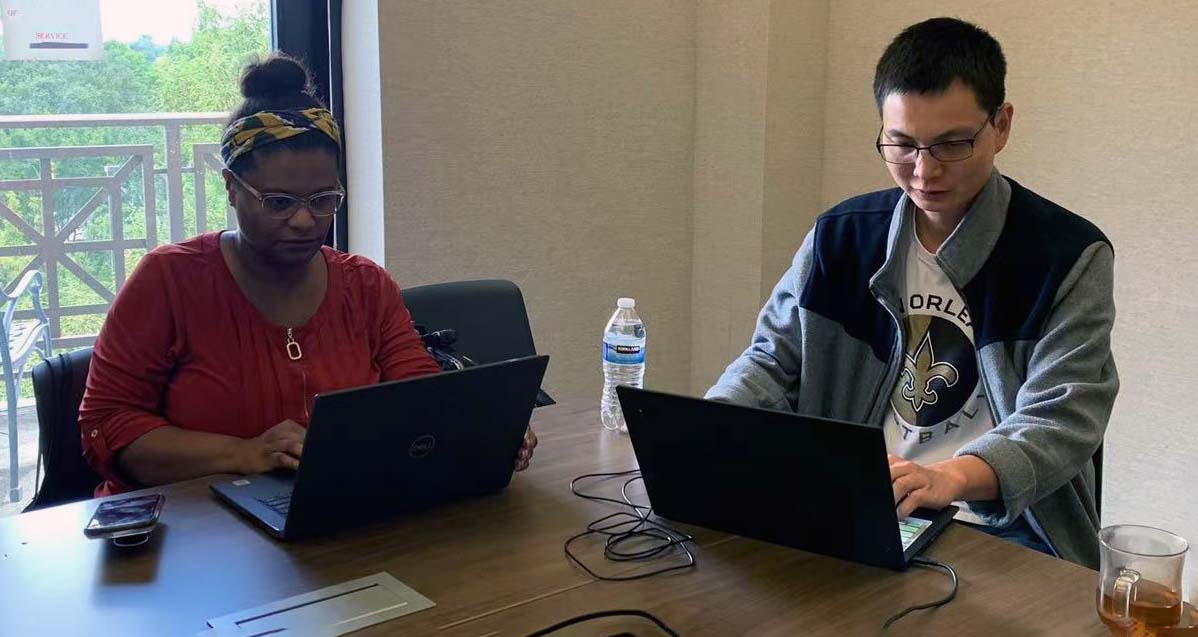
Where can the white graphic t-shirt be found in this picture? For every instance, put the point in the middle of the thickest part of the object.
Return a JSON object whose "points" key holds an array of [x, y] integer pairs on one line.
{"points": [[939, 403]]}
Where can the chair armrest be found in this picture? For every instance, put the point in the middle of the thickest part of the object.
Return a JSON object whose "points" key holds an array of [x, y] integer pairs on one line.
{"points": [[31, 278], [32, 283]]}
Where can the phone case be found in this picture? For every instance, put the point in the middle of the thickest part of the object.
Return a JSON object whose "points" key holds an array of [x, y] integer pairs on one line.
{"points": [[143, 529], [109, 535]]}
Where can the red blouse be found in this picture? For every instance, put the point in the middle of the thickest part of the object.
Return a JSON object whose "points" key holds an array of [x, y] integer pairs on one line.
{"points": [[183, 346]]}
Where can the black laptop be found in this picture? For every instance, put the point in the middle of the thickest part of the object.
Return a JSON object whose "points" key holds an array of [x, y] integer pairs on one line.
{"points": [[377, 451], [814, 484]]}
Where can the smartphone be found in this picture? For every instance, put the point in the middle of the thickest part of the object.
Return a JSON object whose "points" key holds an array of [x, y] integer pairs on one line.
{"points": [[124, 516]]}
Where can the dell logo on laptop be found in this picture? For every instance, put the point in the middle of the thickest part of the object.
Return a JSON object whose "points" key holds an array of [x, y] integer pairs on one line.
{"points": [[422, 446]]}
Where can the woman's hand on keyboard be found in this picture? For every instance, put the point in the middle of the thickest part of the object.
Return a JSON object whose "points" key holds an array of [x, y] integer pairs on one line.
{"points": [[279, 447], [525, 454]]}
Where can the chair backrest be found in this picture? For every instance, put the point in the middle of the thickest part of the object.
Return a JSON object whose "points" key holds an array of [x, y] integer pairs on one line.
{"points": [[1097, 459], [489, 317], [58, 385]]}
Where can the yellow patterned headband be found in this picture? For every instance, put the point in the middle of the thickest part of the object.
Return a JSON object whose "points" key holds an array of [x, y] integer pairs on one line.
{"points": [[268, 127]]}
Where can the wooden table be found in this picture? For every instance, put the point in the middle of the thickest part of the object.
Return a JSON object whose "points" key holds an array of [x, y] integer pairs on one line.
{"points": [[495, 566]]}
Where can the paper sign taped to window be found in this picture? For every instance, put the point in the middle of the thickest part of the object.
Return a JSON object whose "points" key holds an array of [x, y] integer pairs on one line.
{"points": [[51, 29]]}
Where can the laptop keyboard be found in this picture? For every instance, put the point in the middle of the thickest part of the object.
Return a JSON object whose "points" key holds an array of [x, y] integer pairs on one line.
{"points": [[911, 528], [278, 503]]}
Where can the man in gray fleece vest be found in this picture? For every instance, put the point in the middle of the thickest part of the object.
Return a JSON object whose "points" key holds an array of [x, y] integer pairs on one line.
{"points": [[963, 314]]}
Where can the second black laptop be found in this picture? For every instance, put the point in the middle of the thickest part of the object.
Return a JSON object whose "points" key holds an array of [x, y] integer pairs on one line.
{"points": [[814, 484]]}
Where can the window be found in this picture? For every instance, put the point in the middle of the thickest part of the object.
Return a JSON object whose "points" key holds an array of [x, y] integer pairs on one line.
{"points": [[102, 159]]}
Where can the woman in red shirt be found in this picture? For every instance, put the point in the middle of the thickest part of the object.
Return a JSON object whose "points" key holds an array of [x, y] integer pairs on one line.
{"points": [[215, 347]]}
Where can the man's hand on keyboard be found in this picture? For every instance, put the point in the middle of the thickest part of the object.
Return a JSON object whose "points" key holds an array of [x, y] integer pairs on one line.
{"points": [[915, 486]]}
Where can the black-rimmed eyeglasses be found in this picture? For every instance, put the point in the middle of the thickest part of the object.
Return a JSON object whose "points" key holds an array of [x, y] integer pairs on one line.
{"points": [[953, 150]]}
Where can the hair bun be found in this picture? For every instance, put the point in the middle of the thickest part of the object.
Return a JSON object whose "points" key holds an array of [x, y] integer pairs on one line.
{"points": [[276, 76]]}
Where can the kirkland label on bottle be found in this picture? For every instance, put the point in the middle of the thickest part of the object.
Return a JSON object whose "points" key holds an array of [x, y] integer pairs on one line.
{"points": [[623, 354]]}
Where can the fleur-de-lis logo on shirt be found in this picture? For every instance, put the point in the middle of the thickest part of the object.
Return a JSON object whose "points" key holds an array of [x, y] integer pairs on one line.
{"points": [[920, 369]]}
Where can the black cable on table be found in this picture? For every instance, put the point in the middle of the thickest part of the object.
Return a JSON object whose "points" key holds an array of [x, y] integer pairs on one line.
{"points": [[933, 564], [602, 615], [625, 527]]}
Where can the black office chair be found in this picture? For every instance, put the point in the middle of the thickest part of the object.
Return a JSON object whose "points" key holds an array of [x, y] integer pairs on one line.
{"points": [[1097, 459], [58, 385], [488, 316]]}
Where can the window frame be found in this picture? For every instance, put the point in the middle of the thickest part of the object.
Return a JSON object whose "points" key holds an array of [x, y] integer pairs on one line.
{"points": [[311, 31]]}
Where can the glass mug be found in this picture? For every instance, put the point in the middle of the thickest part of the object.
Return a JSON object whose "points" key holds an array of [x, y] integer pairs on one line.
{"points": [[1140, 583]]}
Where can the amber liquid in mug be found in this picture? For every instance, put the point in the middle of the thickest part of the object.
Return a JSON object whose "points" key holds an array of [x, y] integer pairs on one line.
{"points": [[1156, 611]]}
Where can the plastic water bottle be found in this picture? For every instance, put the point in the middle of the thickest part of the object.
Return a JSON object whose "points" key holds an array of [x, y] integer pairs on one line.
{"points": [[623, 360]]}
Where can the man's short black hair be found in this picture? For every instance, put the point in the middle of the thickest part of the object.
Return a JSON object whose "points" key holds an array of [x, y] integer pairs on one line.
{"points": [[928, 57]]}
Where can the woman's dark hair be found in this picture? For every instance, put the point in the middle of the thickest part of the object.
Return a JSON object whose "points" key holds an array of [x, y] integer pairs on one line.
{"points": [[928, 57], [278, 82]]}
